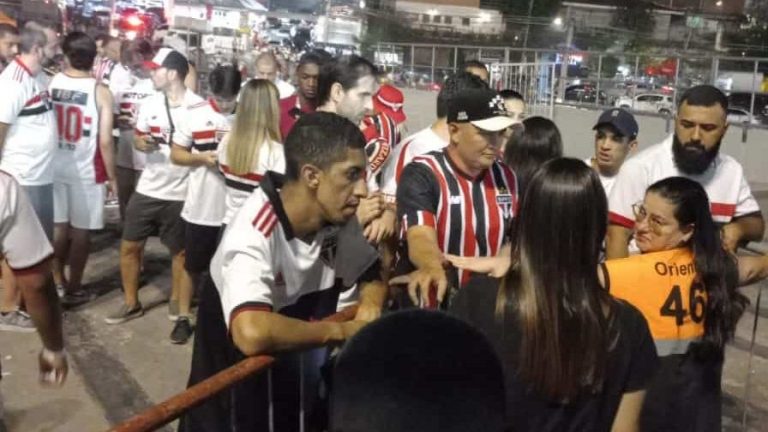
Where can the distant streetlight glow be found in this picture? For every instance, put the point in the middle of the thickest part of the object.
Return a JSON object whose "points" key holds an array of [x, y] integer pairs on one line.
{"points": [[558, 21], [362, 4], [485, 17], [432, 12], [719, 3]]}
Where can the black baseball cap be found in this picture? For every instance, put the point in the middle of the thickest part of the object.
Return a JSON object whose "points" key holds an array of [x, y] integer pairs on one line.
{"points": [[169, 59], [621, 119], [484, 108]]}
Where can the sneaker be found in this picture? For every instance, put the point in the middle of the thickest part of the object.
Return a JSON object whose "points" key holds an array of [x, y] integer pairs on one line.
{"points": [[16, 321], [182, 331], [125, 313], [173, 310], [76, 298]]}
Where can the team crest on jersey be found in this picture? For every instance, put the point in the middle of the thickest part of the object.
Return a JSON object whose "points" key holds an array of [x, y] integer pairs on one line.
{"points": [[505, 202], [328, 250]]}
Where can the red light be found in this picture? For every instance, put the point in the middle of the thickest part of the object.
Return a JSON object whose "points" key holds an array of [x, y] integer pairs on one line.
{"points": [[134, 21]]}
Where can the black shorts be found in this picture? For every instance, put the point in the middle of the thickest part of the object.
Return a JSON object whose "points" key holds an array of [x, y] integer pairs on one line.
{"points": [[146, 216], [201, 242]]}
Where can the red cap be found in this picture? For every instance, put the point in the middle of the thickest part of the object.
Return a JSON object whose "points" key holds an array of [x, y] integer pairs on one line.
{"points": [[389, 100]]}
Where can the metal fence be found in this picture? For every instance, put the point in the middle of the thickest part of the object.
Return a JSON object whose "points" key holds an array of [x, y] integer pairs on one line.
{"points": [[534, 81], [597, 79]]}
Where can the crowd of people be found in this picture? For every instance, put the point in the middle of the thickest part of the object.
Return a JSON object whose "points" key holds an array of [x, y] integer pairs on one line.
{"points": [[498, 285]]}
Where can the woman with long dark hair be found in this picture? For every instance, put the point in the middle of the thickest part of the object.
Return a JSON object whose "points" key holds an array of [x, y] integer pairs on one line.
{"points": [[575, 358], [684, 283], [529, 147]]}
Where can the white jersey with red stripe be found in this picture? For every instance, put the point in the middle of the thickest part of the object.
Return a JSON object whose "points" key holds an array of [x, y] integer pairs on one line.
{"points": [[727, 188], [23, 243], [78, 157], [260, 265], [201, 130], [129, 103], [240, 186], [420, 143], [381, 137], [26, 106], [161, 178]]}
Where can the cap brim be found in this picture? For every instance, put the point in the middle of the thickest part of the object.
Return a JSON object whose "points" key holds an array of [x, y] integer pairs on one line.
{"points": [[151, 65], [621, 130], [494, 124]]}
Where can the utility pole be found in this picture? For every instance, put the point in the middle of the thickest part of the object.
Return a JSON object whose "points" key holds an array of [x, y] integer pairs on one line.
{"points": [[566, 56], [528, 24]]}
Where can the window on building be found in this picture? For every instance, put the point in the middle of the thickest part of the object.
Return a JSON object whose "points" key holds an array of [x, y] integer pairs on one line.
{"points": [[436, 19], [425, 18], [448, 20], [465, 22]]}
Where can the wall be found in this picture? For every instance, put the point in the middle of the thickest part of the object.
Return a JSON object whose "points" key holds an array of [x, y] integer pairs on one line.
{"points": [[484, 21]]}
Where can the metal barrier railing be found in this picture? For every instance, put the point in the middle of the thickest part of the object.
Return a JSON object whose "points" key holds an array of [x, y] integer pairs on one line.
{"points": [[171, 409], [748, 379]]}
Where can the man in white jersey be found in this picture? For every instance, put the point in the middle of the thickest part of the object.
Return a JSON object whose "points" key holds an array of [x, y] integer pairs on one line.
{"points": [[156, 205], [27, 143], [129, 161], [27, 251], [83, 162], [615, 139], [194, 145], [290, 251], [693, 151], [432, 138], [267, 68]]}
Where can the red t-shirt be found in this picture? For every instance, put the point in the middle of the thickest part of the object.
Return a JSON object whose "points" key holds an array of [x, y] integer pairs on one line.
{"points": [[290, 111]]}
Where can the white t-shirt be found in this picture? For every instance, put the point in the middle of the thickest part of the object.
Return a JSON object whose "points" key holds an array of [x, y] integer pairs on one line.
{"points": [[129, 103], [119, 81], [77, 159], [606, 181], [284, 88], [259, 265], [422, 142], [201, 129], [727, 188], [161, 178], [240, 186], [31, 139], [22, 240]]}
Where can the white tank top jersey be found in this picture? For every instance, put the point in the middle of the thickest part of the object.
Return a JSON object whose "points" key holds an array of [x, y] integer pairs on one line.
{"points": [[129, 103], [77, 158], [240, 186], [161, 178], [201, 130], [422, 142]]}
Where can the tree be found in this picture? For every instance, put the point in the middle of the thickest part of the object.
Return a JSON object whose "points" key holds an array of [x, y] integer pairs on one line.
{"points": [[634, 15]]}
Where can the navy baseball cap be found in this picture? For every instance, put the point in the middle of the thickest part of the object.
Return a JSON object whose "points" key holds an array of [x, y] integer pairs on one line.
{"points": [[621, 119], [483, 108]]}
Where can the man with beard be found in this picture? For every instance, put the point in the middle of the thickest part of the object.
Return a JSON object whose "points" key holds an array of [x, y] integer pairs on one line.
{"points": [[693, 152]]}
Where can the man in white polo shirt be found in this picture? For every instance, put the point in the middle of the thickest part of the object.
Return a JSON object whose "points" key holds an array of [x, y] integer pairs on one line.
{"points": [[27, 143], [156, 205], [693, 151]]}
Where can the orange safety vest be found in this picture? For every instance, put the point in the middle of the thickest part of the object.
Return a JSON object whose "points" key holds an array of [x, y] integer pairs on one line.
{"points": [[662, 286]]}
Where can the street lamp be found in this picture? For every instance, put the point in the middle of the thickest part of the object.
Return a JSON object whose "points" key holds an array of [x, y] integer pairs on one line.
{"points": [[719, 3], [557, 22]]}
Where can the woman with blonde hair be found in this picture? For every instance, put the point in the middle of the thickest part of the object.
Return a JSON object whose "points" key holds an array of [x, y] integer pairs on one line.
{"points": [[252, 147]]}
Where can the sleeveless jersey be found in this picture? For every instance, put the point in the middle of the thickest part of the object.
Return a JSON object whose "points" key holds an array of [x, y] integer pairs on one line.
{"points": [[662, 285], [77, 158]]}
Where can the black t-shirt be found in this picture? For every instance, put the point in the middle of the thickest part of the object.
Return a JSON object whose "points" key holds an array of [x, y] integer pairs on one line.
{"points": [[631, 365]]}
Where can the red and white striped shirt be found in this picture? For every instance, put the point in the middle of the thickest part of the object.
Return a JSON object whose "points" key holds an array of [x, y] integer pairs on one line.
{"points": [[471, 216]]}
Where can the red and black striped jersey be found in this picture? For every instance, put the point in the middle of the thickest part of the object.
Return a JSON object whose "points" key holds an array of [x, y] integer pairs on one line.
{"points": [[472, 216], [381, 137]]}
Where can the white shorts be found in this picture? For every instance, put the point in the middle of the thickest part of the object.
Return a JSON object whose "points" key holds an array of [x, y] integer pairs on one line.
{"points": [[80, 205]]}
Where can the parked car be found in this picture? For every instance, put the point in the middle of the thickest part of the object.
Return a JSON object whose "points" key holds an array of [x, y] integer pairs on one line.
{"points": [[648, 102], [743, 100], [585, 93], [741, 116]]}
